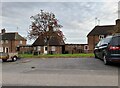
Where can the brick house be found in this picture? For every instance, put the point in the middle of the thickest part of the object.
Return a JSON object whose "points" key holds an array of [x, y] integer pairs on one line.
{"points": [[99, 32], [53, 45], [76, 48], [10, 41]]}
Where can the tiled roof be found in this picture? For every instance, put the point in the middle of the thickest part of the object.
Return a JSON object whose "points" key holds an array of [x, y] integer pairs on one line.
{"points": [[11, 36], [54, 40], [102, 30]]}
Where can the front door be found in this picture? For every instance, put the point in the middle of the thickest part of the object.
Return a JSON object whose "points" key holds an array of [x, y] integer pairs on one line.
{"points": [[6, 50], [45, 50]]}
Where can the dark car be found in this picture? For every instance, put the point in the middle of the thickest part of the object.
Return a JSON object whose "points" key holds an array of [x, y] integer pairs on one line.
{"points": [[108, 49]]}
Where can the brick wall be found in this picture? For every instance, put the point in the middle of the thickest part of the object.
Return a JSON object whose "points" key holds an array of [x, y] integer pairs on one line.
{"points": [[92, 41], [11, 45], [75, 48], [58, 50]]}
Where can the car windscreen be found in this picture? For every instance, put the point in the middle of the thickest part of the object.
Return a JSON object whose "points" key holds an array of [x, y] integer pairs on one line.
{"points": [[115, 40], [104, 41], [3, 54]]}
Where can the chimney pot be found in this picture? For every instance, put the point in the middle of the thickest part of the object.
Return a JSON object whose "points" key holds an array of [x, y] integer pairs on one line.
{"points": [[3, 31], [118, 22]]}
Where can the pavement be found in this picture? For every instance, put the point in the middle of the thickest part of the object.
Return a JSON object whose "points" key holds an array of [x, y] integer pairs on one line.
{"points": [[59, 72]]}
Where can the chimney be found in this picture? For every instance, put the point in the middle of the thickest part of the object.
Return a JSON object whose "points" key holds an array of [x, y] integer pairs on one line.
{"points": [[118, 22], [3, 31], [117, 28]]}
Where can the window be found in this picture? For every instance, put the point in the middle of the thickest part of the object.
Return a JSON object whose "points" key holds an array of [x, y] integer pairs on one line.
{"points": [[115, 41], [38, 48], [6, 41], [53, 48], [99, 43], [101, 37], [20, 42], [104, 41], [86, 47], [45, 40], [34, 48], [1, 49], [2, 41]]}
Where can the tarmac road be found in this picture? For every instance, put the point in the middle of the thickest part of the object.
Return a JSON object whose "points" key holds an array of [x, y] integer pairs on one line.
{"points": [[59, 72]]}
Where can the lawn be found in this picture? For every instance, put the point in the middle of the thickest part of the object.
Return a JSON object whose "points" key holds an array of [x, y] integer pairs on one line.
{"points": [[56, 55]]}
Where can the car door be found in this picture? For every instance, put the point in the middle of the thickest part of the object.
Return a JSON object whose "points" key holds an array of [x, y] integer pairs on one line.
{"points": [[103, 46], [97, 49]]}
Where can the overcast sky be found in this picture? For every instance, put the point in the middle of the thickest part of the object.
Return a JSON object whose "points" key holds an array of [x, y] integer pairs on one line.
{"points": [[77, 18]]}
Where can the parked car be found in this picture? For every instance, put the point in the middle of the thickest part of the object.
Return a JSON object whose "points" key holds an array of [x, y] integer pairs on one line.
{"points": [[5, 56], [108, 49]]}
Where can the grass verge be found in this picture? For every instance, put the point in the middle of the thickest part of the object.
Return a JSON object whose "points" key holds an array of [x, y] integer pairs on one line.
{"points": [[56, 55]]}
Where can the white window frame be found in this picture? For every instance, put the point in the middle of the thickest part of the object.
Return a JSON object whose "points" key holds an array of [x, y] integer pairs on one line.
{"points": [[85, 47], [6, 41], [38, 48], [6, 49], [1, 41], [20, 42], [53, 48], [1, 49], [35, 48], [101, 37]]}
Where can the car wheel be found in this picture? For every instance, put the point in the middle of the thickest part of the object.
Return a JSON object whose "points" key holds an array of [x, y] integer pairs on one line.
{"points": [[14, 58], [4, 60], [106, 62]]}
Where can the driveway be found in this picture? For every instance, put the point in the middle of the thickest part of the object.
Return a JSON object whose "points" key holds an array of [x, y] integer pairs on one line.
{"points": [[59, 72]]}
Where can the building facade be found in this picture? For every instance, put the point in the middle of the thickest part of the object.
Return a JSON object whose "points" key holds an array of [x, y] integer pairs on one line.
{"points": [[10, 41], [100, 32], [49, 43], [76, 48]]}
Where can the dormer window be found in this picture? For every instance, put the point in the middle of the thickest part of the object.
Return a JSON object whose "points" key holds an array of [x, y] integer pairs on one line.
{"points": [[45, 40]]}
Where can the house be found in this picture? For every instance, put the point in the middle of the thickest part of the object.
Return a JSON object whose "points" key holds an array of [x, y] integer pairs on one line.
{"points": [[76, 48], [49, 43], [10, 41], [100, 32]]}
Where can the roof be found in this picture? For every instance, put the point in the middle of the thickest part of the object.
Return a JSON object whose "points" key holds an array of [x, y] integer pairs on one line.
{"points": [[54, 40], [102, 30], [76, 44], [12, 36]]}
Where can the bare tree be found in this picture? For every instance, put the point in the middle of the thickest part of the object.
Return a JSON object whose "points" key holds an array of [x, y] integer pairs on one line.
{"points": [[43, 23]]}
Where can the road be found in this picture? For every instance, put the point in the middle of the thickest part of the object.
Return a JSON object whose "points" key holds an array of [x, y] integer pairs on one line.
{"points": [[59, 72]]}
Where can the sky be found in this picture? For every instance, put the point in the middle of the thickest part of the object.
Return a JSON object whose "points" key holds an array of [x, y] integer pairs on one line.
{"points": [[77, 18]]}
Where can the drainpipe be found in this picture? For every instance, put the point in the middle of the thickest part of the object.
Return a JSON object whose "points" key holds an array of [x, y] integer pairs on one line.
{"points": [[11, 45]]}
